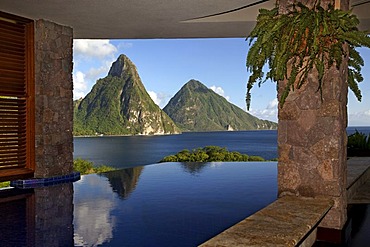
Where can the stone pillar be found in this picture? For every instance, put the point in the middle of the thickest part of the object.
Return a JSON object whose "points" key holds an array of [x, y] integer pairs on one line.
{"points": [[53, 99], [312, 139]]}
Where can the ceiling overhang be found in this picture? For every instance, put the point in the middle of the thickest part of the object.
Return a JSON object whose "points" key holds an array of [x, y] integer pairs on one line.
{"points": [[147, 19]]}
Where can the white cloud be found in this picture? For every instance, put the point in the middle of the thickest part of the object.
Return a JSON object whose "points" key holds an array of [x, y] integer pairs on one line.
{"points": [[273, 104], [220, 91], [361, 118], [92, 60], [89, 48], [154, 97], [159, 98], [94, 73], [269, 113], [79, 85]]}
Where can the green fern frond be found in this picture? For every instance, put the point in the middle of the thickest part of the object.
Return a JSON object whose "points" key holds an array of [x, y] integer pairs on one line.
{"points": [[304, 38]]}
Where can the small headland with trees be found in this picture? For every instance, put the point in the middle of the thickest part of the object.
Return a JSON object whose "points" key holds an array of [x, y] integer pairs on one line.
{"points": [[210, 154]]}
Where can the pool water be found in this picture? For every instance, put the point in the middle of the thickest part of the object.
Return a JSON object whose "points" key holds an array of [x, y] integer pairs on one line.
{"points": [[171, 204]]}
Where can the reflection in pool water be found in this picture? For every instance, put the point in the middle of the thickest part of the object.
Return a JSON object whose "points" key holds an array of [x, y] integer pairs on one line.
{"points": [[172, 204]]}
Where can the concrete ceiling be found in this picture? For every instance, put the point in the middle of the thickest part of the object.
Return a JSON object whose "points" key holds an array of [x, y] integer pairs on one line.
{"points": [[143, 19]]}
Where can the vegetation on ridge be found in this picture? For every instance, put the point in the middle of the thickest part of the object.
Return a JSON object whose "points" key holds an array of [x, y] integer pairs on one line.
{"points": [[87, 167], [120, 105], [210, 154], [198, 108]]}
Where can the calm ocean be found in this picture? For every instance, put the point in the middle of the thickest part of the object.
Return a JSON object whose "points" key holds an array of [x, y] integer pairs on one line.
{"points": [[130, 151]]}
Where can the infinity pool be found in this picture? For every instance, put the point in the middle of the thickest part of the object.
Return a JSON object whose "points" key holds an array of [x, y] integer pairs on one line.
{"points": [[172, 204]]}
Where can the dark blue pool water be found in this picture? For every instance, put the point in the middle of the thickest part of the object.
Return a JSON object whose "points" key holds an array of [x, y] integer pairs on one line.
{"points": [[171, 204]]}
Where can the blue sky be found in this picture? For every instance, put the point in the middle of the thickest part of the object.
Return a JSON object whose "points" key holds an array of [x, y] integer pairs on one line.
{"points": [[166, 65]]}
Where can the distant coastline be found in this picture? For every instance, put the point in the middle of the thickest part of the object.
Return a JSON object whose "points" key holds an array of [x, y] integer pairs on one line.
{"points": [[215, 131], [349, 128]]}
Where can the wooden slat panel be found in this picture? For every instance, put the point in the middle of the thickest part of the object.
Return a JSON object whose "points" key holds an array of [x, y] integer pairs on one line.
{"points": [[12, 50], [14, 73], [7, 120], [16, 35], [6, 79], [13, 27], [11, 130], [13, 165], [19, 146], [11, 41], [15, 124], [15, 103], [13, 85], [15, 49], [14, 42], [13, 100], [15, 89], [6, 109], [9, 56], [12, 157], [8, 67], [13, 153], [13, 56], [13, 160], [13, 66], [12, 106], [12, 93], [15, 144]]}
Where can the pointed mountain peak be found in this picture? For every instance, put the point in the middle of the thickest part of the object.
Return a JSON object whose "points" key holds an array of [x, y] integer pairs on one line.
{"points": [[122, 64], [198, 108], [119, 105], [194, 85]]}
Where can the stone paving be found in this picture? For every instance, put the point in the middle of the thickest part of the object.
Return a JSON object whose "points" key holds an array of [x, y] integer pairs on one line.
{"points": [[285, 222], [290, 219], [362, 196], [358, 180]]}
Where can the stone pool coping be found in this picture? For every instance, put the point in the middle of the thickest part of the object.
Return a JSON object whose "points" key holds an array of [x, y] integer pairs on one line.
{"points": [[358, 172], [289, 221]]}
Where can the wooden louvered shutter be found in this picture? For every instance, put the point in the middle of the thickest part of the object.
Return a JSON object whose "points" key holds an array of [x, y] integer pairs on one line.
{"points": [[16, 97]]}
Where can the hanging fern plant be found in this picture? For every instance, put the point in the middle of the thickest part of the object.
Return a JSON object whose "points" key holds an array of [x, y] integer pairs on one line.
{"points": [[300, 40]]}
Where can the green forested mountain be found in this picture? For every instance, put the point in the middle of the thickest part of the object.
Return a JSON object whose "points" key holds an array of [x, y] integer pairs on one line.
{"points": [[197, 108], [119, 104]]}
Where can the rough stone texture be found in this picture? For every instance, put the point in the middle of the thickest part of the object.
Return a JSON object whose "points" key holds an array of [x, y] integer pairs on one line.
{"points": [[312, 139], [286, 222], [54, 99], [54, 215]]}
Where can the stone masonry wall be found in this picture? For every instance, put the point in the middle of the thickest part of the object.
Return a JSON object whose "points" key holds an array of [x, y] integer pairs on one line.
{"points": [[312, 142], [54, 99]]}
